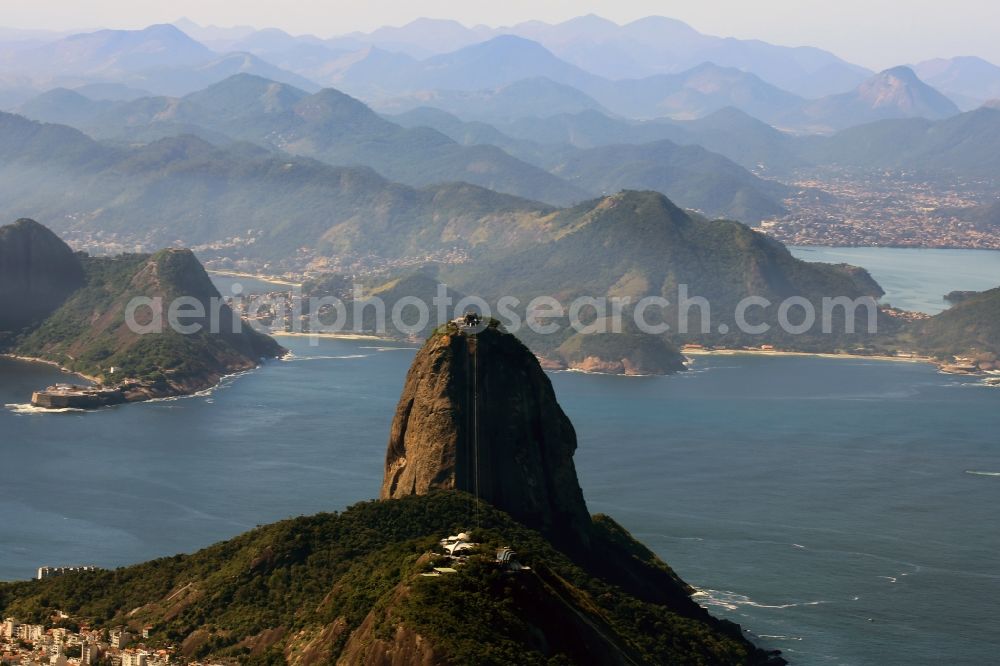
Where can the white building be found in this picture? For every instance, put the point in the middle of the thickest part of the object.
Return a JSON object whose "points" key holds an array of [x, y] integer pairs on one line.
{"points": [[8, 628], [89, 654], [134, 658], [120, 638]]}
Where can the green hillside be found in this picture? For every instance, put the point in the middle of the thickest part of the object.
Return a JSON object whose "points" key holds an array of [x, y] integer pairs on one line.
{"points": [[639, 244], [241, 201], [689, 175], [89, 333], [967, 144], [347, 586], [969, 328]]}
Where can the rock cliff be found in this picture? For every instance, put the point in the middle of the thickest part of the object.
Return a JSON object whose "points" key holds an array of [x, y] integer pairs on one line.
{"points": [[38, 271], [478, 413]]}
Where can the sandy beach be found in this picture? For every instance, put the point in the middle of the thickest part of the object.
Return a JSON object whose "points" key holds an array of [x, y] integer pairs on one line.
{"points": [[252, 276], [333, 336], [769, 352]]}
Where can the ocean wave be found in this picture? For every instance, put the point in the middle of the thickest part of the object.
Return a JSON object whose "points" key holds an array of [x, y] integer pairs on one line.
{"points": [[299, 359], [969, 471], [778, 637], [225, 382], [700, 370], [733, 600], [657, 535], [28, 408]]}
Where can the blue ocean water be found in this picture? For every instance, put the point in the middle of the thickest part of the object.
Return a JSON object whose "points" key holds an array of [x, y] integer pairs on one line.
{"points": [[843, 511], [914, 278]]}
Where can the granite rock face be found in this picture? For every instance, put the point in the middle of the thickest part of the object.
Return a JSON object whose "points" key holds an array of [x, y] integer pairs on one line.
{"points": [[38, 271], [479, 414]]}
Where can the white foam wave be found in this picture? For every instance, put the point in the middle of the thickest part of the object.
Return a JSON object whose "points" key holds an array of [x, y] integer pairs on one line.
{"points": [[28, 408], [656, 535], [296, 359], [733, 600], [778, 637], [969, 471], [225, 382]]}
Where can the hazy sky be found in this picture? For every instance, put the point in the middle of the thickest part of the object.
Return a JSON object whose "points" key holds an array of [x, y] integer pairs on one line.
{"points": [[875, 33]]}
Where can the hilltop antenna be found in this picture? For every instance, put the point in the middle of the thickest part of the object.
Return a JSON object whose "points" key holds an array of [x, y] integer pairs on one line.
{"points": [[470, 325], [475, 420]]}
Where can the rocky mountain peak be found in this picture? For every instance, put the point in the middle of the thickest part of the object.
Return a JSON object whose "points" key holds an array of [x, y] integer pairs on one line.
{"points": [[38, 271], [900, 88], [479, 414]]}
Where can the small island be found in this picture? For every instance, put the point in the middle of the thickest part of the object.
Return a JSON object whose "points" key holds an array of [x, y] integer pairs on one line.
{"points": [[68, 309]]}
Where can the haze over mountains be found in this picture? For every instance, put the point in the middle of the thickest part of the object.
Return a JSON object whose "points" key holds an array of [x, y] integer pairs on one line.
{"points": [[894, 93], [713, 124], [651, 68], [341, 131], [653, 45], [969, 81], [160, 58]]}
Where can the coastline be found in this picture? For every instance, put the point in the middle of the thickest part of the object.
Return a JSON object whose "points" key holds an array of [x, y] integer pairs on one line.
{"points": [[32, 359], [334, 336], [843, 355], [136, 393], [776, 352]]}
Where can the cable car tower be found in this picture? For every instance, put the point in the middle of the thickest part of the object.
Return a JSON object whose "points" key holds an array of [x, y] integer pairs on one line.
{"points": [[471, 324]]}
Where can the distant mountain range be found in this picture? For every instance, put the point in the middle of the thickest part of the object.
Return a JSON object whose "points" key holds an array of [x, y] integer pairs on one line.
{"points": [[327, 125], [967, 143], [466, 82], [649, 46], [547, 159], [241, 199], [651, 68], [894, 93], [968, 81], [527, 98], [664, 166], [160, 58], [341, 131], [101, 190], [729, 132], [505, 61]]}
